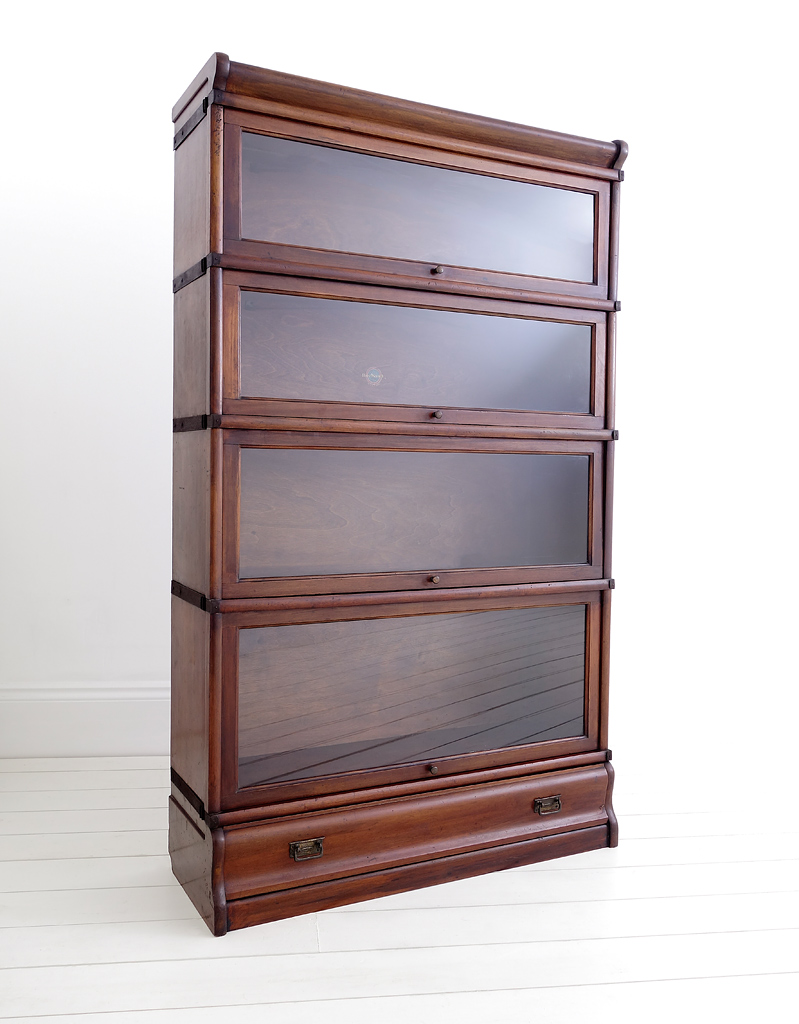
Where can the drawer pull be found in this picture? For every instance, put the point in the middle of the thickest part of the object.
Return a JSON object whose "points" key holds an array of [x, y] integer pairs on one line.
{"points": [[307, 849], [546, 804]]}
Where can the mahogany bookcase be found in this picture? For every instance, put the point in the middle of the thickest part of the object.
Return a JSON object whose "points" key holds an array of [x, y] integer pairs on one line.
{"points": [[393, 463]]}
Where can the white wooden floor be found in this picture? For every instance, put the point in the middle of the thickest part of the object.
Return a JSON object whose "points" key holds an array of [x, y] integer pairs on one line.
{"points": [[694, 918]]}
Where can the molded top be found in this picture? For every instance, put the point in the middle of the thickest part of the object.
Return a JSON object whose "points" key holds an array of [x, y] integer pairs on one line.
{"points": [[233, 81]]}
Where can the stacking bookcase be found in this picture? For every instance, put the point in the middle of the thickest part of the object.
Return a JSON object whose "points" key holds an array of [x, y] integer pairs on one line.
{"points": [[393, 459]]}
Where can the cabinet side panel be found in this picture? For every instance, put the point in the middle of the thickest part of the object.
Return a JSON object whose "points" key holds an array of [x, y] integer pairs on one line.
{"points": [[190, 666], [191, 509], [192, 351], [196, 855], [192, 197]]}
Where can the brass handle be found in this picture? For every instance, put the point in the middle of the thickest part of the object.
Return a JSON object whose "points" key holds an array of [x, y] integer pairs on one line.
{"points": [[307, 849], [437, 270], [547, 804], [437, 415], [434, 579]]}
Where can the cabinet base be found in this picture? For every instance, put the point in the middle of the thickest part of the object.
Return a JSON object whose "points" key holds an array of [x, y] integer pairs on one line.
{"points": [[265, 870]]}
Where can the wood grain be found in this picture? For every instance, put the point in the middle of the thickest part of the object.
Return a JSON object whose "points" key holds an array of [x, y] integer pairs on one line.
{"points": [[192, 349], [413, 829], [192, 198], [301, 900], [373, 109], [191, 509], [191, 629]]}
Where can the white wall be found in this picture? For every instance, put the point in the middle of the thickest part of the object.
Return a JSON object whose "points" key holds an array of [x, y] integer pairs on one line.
{"points": [[705, 605]]}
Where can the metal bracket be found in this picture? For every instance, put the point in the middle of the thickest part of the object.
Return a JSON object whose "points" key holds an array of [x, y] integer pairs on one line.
{"points": [[205, 604], [191, 124], [183, 423], [213, 259], [611, 584], [617, 305], [614, 435], [307, 849], [547, 804]]}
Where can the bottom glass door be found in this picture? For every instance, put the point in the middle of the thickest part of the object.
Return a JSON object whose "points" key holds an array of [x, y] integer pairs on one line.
{"points": [[323, 698]]}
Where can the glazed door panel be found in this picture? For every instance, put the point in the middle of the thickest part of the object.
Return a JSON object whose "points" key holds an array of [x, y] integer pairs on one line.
{"points": [[329, 697], [320, 197], [327, 350], [307, 512]]}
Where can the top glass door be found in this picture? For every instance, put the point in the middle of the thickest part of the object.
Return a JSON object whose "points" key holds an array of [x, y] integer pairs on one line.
{"points": [[298, 193]]}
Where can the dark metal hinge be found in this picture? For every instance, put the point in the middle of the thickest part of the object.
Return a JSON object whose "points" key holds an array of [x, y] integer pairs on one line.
{"points": [[617, 305], [614, 435], [213, 259], [203, 422], [191, 124], [191, 596], [611, 584]]}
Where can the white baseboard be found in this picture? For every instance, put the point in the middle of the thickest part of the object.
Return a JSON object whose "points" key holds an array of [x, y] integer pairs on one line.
{"points": [[89, 720]]}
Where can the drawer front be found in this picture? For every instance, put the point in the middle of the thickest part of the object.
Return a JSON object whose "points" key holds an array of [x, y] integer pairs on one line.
{"points": [[368, 837]]}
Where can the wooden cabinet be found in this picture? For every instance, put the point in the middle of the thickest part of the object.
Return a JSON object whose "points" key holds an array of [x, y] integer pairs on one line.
{"points": [[394, 433]]}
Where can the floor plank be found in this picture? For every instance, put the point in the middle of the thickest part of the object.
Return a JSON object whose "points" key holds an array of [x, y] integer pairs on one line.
{"points": [[53, 781], [84, 764], [63, 945], [45, 846], [147, 941], [96, 906], [557, 922], [738, 1000], [17, 823], [508, 888], [84, 799], [305, 977], [94, 873]]}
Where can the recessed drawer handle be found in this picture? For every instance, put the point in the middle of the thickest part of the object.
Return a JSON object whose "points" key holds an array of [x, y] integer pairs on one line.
{"points": [[307, 849], [546, 804]]}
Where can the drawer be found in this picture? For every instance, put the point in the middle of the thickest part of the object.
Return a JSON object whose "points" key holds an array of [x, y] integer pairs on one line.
{"points": [[369, 837]]}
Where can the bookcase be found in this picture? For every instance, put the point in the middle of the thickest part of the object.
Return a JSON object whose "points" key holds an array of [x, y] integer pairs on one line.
{"points": [[393, 475]]}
